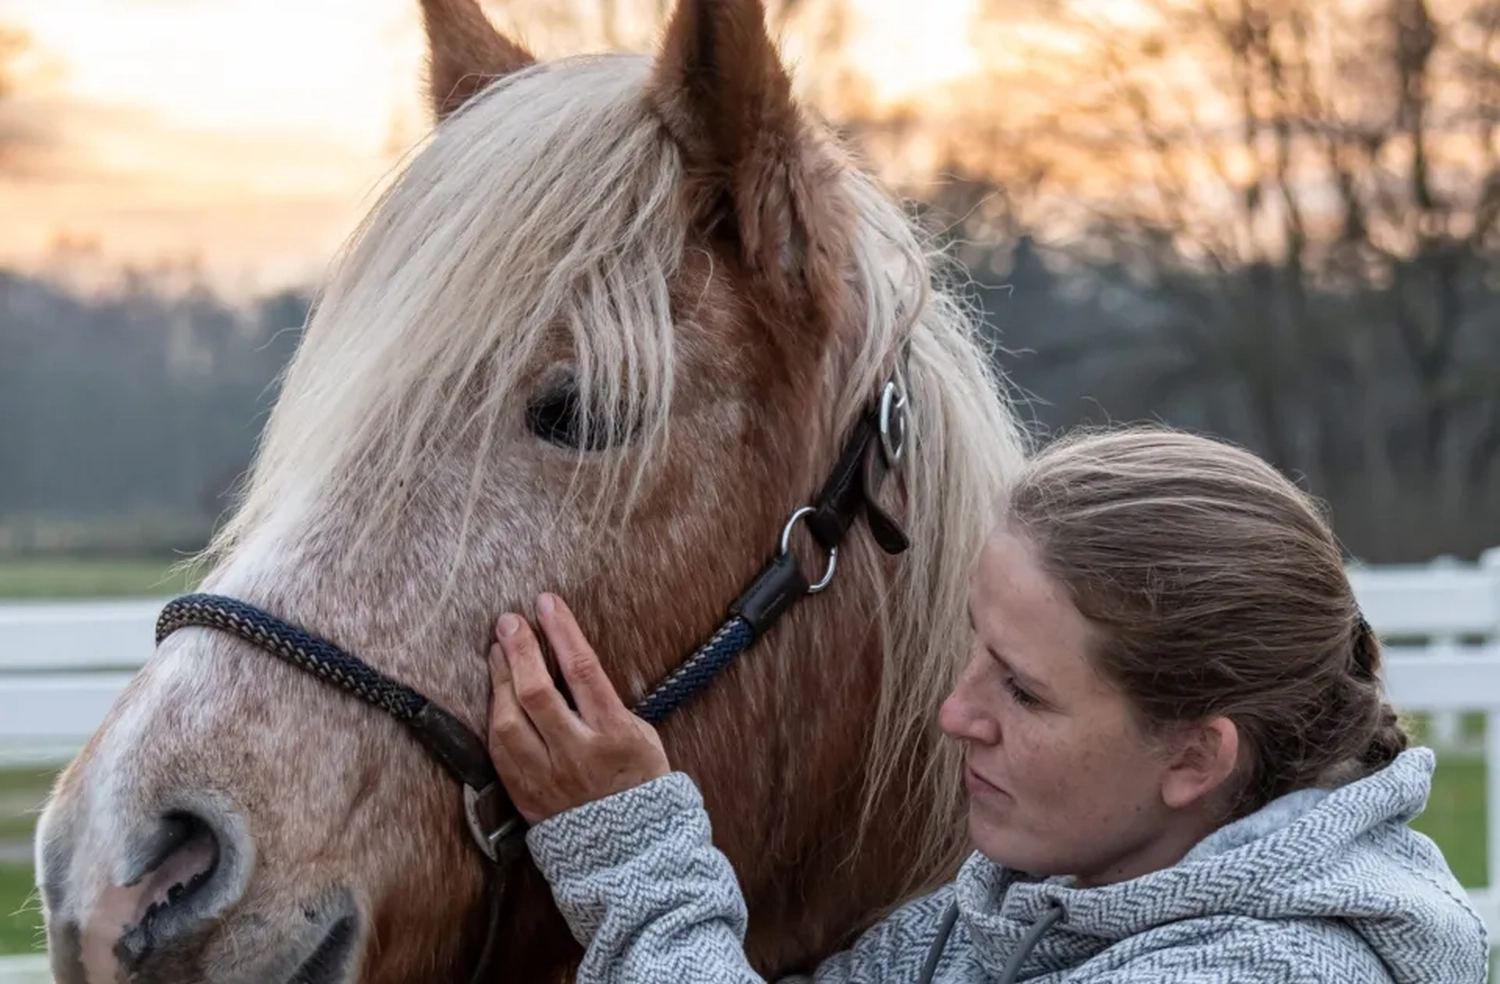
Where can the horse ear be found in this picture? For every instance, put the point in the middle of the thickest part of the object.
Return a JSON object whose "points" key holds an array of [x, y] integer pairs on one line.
{"points": [[727, 100], [465, 53]]}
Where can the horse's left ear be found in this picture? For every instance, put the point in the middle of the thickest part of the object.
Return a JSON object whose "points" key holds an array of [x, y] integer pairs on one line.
{"points": [[465, 53], [727, 100]]}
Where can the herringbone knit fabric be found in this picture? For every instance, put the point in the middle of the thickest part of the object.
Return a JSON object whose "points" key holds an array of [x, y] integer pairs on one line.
{"points": [[1319, 886]]}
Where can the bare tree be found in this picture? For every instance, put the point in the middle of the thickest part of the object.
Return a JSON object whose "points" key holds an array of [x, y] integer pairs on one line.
{"points": [[1305, 194]]}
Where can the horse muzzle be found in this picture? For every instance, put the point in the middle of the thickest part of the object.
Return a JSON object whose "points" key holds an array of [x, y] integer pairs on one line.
{"points": [[170, 909]]}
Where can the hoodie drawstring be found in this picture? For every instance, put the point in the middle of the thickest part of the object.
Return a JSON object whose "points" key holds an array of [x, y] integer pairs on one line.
{"points": [[1046, 921], [1033, 935], [935, 953]]}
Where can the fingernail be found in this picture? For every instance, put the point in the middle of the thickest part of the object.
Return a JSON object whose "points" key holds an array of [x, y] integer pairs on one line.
{"points": [[546, 604], [509, 625]]}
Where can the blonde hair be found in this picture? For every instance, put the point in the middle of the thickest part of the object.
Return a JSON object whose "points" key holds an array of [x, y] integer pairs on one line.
{"points": [[1221, 590]]}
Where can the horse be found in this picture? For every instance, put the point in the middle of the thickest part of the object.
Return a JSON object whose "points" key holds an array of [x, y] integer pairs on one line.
{"points": [[605, 334]]}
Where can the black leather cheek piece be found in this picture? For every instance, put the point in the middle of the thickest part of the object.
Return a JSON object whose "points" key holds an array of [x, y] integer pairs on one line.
{"points": [[772, 593], [850, 493], [452, 743], [886, 531]]}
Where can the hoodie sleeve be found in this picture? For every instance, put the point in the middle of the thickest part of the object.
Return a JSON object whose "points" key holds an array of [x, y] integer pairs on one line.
{"points": [[652, 901]]}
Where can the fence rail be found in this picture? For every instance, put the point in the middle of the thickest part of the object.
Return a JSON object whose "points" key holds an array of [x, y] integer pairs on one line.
{"points": [[63, 664]]}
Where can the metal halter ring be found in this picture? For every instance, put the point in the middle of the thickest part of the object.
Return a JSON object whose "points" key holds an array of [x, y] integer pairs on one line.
{"points": [[479, 814], [501, 839], [786, 544], [893, 421]]}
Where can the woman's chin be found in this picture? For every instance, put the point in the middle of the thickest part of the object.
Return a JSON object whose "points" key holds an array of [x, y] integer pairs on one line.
{"points": [[1003, 844], [990, 838]]}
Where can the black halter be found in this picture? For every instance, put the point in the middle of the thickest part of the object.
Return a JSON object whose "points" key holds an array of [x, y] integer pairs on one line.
{"points": [[874, 447]]}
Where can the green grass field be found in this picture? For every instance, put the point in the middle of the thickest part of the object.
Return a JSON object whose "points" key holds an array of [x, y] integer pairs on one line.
{"points": [[22, 792], [16, 826], [20, 915], [1454, 818], [48, 578]]}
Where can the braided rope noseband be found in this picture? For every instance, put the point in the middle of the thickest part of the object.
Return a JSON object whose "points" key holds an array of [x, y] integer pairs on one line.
{"points": [[875, 447], [307, 652]]}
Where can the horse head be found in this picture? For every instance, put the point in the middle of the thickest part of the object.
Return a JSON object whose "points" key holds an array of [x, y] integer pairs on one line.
{"points": [[606, 332]]}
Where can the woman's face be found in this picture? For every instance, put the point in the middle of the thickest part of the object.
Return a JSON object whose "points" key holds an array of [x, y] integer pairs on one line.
{"points": [[1061, 775]]}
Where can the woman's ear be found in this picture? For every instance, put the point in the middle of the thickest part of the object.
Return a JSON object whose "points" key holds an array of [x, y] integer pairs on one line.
{"points": [[1204, 756]]}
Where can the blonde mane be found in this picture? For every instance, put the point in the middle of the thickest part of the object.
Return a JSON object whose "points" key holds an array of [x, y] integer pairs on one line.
{"points": [[422, 340]]}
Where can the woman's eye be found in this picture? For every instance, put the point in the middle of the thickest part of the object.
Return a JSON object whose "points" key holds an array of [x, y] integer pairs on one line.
{"points": [[1020, 695], [555, 415]]}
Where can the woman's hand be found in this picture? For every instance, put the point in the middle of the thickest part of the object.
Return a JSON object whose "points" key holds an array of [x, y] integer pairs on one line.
{"points": [[551, 758]]}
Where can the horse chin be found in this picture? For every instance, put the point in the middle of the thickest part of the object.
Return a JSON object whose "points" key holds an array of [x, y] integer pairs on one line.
{"points": [[332, 958], [312, 944]]}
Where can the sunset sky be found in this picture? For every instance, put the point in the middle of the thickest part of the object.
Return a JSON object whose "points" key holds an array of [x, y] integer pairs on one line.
{"points": [[252, 133]]}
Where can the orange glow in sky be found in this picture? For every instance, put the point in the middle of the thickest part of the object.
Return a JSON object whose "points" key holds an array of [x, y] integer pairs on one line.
{"points": [[254, 134]]}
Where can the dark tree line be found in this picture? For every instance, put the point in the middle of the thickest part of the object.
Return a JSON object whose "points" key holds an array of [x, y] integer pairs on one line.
{"points": [[138, 408]]}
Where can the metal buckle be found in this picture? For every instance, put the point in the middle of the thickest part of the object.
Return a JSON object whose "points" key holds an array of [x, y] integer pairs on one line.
{"points": [[893, 420], [833, 554], [485, 826]]}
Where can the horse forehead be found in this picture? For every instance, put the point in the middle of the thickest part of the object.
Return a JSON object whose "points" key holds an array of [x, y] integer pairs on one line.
{"points": [[722, 321]]}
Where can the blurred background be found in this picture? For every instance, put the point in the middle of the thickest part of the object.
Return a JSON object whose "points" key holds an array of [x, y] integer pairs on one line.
{"points": [[1271, 220]]}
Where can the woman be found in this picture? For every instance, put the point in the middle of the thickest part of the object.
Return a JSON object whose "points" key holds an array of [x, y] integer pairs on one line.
{"points": [[1180, 763]]}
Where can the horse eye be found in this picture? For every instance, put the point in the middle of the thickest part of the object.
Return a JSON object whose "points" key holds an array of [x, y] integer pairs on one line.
{"points": [[554, 416]]}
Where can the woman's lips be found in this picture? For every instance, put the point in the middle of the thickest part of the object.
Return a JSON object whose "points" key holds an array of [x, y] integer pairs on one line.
{"points": [[978, 784]]}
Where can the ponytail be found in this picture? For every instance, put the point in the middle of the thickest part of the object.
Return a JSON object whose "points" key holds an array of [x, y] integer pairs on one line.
{"points": [[1387, 739]]}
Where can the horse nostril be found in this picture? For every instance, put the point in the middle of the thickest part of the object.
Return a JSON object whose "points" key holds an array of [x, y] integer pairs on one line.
{"points": [[172, 878], [174, 833], [178, 857]]}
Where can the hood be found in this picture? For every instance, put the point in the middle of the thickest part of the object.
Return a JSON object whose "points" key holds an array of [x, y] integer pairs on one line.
{"points": [[1345, 854]]}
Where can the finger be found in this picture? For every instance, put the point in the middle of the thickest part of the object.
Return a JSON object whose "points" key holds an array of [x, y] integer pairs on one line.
{"points": [[513, 743], [533, 686], [595, 695]]}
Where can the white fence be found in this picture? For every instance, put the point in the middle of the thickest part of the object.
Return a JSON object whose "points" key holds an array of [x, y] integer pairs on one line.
{"points": [[1440, 623], [63, 664]]}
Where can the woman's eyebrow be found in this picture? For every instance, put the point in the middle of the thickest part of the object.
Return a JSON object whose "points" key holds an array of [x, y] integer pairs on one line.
{"points": [[1031, 682]]}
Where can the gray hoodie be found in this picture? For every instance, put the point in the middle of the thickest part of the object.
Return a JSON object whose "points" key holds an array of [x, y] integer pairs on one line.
{"points": [[1318, 886]]}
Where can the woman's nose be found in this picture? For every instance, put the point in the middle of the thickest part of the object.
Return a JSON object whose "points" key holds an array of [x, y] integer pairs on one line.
{"points": [[966, 717]]}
